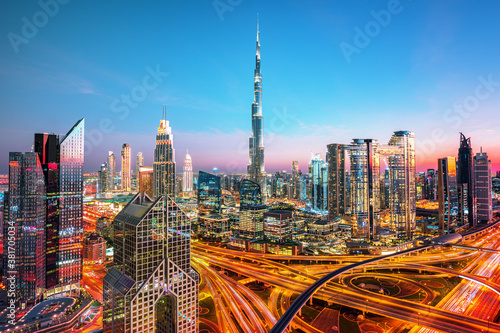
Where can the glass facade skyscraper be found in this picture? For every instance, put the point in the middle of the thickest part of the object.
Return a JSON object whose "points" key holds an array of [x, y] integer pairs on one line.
{"points": [[482, 175], [111, 172], [24, 230], [256, 168], [209, 193], [467, 204], [62, 163], [335, 157], [318, 180], [164, 160], [126, 178], [152, 287], [447, 193], [250, 193]]}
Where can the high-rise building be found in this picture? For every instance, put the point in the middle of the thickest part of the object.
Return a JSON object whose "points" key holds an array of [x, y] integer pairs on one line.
{"points": [[62, 163], [482, 175], [430, 185], [318, 176], [278, 226], [24, 230], [152, 287], [447, 193], [146, 180], [209, 193], [126, 180], [403, 207], [467, 205], [251, 222], [111, 172], [164, 160], [256, 167], [139, 161], [335, 157], [365, 189], [102, 179], [187, 179], [250, 193], [295, 180]]}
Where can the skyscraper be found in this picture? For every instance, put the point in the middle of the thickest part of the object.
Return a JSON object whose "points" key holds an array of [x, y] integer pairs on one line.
{"points": [[24, 244], [111, 172], [164, 160], [482, 175], [256, 167], [209, 193], [146, 180], [139, 161], [102, 179], [447, 193], [250, 193], [187, 179], [403, 207], [152, 287], [295, 180], [318, 175], [126, 181], [467, 213], [335, 157], [62, 163]]}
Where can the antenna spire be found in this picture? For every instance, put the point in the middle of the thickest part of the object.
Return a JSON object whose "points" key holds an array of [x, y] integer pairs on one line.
{"points": [[257, 27]]}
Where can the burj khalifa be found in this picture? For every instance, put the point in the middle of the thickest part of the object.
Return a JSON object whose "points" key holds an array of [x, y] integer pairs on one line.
{"points": [[256, 168]]}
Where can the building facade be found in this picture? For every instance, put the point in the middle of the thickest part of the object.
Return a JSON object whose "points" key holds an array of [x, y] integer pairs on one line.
{"points": [[152, 287], [278, 226], [447, 193], [256, 168], [482, 175], [126, 174], [94, 249], [111, 171], [164, 160], [209, 194], [466, 185], [187, 178]]}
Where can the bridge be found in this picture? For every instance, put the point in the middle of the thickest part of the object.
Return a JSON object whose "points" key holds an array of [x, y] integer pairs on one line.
{"points": [[285, 320]]}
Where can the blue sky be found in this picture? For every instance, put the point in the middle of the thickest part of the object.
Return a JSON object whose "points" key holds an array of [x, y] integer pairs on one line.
{"points": [[406, 74]]}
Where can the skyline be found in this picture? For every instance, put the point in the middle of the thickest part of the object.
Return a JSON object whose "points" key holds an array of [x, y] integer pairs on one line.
{"points": [[308, 88]]}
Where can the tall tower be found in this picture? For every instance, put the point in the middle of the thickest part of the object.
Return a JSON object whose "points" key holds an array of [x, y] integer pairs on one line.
{"points": [[256, 168], [164, 162], [187, 179], [295, 180], [62, 164], [482, 175], [111, 172], [447, 192], [466, 185], [139, 162], [126, 185]]}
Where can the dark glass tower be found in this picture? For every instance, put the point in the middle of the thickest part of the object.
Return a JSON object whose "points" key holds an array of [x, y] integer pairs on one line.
{"points": [[209, 193], [24, 230], [250, 193], [466, 184], [256, 169], [335, 158], [62, 164], [164, 162]]}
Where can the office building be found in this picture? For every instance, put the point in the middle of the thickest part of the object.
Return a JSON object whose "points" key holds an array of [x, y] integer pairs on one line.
{"points": [[139, 161], [24, 230], [447, 194], [146, 180], [278, 226], [102, 179], [126, 178], [482, 175], [164, 160], [152, 287], [209, 194], [403, 207], [251, 222], [467, 204], [318, 179], [187, 177], [62, 163], [295, 180], [94, 249], [256, 168], [335, 157], [215, 225], [111, 172], [250, 193]]}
